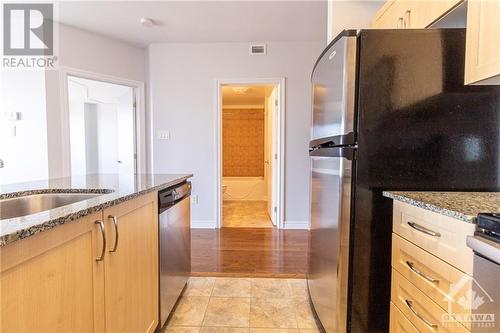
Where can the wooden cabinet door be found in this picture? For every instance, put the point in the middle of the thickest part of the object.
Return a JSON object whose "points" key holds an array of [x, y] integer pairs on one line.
{"points": [[482, 56], [390, 16], [425, 12], [131, 270], [51, 282], [395, 14]]}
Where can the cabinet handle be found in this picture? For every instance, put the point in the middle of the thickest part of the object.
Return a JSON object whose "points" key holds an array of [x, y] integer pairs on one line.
{"points": [[409, 304], [400, 23], [103, 235], [113, 218], [407, 18], [424, 230], [416, 271]]}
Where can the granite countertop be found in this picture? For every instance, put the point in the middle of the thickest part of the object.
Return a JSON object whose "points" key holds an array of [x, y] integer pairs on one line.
{"points": [[460, 205], [115, 189]]}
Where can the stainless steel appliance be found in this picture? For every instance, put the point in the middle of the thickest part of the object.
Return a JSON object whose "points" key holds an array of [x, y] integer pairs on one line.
{"points": [[486, 273], [174, 245], [390, 112]]}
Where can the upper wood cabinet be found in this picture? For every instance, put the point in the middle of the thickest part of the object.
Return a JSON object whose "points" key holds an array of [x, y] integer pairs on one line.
{"points": [[414, 14], [51, 282], [426, 12], [131, 266], [64, 280], [482, 56], [393, 15]]}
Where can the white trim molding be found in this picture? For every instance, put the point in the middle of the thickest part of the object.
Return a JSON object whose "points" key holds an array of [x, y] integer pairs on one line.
{"points": [[302, 225], [140, 114], [203, 224]]}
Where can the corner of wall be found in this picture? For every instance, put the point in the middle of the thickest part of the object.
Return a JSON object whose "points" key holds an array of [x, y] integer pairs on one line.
{"points": [[203, 224], [300, 225]]}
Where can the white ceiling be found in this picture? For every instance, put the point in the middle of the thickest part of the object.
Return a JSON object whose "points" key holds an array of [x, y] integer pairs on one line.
{"points": [[254, 95], [199, 21]]}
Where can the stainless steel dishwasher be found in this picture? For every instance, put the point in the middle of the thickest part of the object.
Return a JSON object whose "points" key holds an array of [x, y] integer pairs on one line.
{"points": [[486, 274], [174, 245]]}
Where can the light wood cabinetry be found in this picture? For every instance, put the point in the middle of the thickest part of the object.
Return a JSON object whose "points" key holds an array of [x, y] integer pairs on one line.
{"points": [[53, 282], [420, 310], [431, 271], [482, 56], [426, 12], [433, 276], [412, 14], [132, 269], [399, 323], [394, 15], [442, 236]]}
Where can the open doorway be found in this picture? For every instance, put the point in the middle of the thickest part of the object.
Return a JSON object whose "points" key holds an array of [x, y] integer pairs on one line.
{"points": [[249, 146], [101, 127]]}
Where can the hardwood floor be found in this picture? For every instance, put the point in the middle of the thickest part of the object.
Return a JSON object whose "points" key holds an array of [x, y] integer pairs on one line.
{"points": [[249, 252]]}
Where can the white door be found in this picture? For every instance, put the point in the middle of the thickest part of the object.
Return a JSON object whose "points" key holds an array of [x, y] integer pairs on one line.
{"points": [[271, 154], [125, 123]]}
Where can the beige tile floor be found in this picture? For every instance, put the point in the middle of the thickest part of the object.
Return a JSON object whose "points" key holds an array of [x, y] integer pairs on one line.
{"points": [[243, 305], [245, 213]]}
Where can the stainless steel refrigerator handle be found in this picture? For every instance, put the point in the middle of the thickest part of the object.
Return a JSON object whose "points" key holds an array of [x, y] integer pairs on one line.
{"points": [[424, 230], [416, 271], [409, 304], [103, 235], [113, 218]]}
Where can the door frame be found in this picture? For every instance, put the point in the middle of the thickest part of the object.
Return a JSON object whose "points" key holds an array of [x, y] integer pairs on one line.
{"points": [[279, 83], [139, 114]]}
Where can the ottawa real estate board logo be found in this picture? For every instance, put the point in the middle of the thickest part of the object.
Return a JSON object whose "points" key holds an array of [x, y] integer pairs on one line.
{"points": [[28, 36]]}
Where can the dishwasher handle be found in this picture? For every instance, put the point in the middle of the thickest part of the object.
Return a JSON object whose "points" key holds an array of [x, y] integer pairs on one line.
{"points": [[172, 195]]}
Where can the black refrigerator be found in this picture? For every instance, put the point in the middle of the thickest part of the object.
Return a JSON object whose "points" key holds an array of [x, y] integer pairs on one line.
{"points": [[390, 112]]}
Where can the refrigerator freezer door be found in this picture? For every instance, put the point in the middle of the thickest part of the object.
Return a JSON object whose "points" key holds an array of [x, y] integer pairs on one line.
{"points": [[329, 238], [334, 83]]}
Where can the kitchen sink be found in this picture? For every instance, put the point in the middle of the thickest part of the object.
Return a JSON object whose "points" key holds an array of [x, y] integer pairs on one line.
{"points": [[31, 204]]}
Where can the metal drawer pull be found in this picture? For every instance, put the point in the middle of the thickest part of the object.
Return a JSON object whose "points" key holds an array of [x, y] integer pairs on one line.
{"points": [[409, 304], [426, 231], [113, 218], [103, 235], [428, 278]]}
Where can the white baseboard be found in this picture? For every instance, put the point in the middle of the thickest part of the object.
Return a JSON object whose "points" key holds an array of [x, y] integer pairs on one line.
{"points": [[303, 225], [202, 224]]}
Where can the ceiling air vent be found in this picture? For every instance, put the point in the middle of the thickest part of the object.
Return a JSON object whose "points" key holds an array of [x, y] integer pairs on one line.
{"points": [[258, 49]]}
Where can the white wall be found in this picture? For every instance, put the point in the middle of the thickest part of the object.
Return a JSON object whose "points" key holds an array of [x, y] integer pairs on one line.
{"points": [[350, 14], [87, 51], [183, 96], [25, 154]]}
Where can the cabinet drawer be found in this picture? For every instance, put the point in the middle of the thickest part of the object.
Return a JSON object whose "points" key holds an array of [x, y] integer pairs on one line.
{"points": [[399, 323], [431, 275], [440, 235], [421, 311]]}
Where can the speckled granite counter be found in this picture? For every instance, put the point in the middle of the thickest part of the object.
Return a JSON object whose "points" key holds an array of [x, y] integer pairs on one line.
{"points": [[460, 205], [116, 189]]}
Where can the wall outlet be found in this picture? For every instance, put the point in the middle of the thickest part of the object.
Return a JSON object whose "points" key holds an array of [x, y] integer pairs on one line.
{"points": [[164, 135], [195, 199]]}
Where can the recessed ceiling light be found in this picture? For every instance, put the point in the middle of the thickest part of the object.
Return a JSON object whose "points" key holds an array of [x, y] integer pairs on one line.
{"points": [[240, 90], [147, 22]]}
